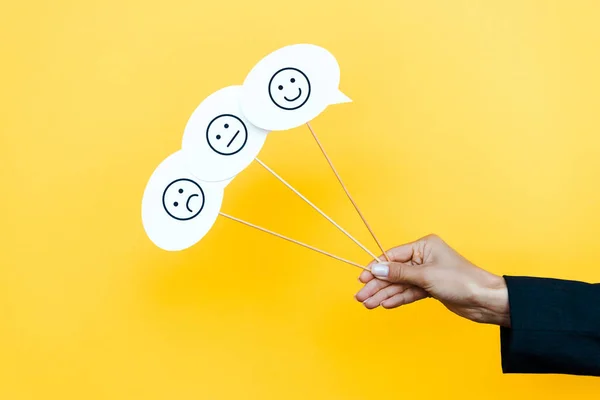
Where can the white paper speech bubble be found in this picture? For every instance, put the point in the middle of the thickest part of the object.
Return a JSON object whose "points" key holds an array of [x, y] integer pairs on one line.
{"points": [[291, 86], [218, 141], [177, 208]]}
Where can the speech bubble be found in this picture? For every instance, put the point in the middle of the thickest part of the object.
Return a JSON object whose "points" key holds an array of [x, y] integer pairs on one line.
{"points": [[291, 86], [219, 141], [178, 209]]}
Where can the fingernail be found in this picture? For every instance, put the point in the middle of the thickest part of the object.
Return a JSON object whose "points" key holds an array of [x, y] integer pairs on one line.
{"points": [[380, 270]]}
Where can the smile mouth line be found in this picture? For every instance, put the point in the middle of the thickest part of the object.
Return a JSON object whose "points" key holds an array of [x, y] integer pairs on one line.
{"points": [[233, 138], [295, 98], [187, 203]]}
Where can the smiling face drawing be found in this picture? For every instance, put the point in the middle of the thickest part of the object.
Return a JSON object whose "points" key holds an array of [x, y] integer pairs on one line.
{"points": [[226, 134], [183, 199], [289, 88]]}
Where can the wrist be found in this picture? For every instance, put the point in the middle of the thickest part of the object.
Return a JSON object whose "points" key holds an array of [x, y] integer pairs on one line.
{"points": [[493, 300]]}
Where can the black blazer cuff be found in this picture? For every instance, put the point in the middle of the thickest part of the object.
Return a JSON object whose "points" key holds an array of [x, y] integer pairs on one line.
{"points": [[555, 327]]}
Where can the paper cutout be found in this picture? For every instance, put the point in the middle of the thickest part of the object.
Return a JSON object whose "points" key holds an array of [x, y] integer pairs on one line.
{"points": [[218, 141], [177, 208], [225, 133], [291, 86]]}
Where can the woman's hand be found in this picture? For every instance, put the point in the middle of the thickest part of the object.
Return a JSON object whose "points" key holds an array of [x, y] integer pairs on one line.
{"points": [[431, 268]]}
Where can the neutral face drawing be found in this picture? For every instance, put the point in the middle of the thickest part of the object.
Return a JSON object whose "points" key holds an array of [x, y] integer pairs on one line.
{"points": [[226, 134], [183, 199], [289, 88]]}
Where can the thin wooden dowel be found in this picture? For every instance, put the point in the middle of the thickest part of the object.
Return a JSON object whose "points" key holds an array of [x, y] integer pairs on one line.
{"points": [[316, 208], [293, 241], [339, 178]]}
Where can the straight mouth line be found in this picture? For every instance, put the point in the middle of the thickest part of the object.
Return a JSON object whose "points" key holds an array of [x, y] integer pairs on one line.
{"points": [[233, 138]]}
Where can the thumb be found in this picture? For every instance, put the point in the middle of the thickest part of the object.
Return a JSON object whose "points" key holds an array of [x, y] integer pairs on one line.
{"points": [[399, 273]]}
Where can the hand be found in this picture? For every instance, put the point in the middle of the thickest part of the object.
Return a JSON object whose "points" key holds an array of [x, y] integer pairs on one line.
{"points": [[431, 268]]}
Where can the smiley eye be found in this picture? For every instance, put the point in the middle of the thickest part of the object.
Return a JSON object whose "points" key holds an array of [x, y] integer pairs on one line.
{"points": [[226, 126], [280, 87], [180, 190], [176, 204], [292, 80], [218, 137]]}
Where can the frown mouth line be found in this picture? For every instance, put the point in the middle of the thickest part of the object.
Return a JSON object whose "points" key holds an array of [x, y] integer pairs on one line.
{"points": [[295, 98], [187, 203]]}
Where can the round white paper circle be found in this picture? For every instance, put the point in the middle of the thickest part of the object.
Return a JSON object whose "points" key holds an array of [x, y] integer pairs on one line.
{"points": [[218, 141], [291, 86], [177, 208]]}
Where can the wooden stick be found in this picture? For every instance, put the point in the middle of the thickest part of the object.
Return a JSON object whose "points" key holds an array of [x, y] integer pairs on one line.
{"points": [[293, 241], [346, 190], [316, 208]]}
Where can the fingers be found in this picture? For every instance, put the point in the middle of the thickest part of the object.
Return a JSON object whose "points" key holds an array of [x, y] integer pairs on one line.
{"points": [[365, 276], [371, 288], [410, 295], [388, 292], [411, 252], [403, 253], [401, 273]]}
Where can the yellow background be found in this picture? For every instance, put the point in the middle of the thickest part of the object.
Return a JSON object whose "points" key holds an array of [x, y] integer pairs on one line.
{"points": [[478, 121]]}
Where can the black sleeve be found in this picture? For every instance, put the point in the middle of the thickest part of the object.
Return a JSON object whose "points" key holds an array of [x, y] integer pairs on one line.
{"points": [[555, 327]]}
